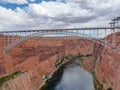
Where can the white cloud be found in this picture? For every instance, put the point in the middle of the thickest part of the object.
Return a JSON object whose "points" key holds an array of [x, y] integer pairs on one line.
{"points": [[37, 10], [10, 18], [59, 14], [16, 1]]}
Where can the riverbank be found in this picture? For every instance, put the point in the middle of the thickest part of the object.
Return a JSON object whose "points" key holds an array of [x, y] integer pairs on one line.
{"points": [[70, 62]]}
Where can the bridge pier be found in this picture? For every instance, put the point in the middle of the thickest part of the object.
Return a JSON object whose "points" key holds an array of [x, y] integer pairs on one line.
{"points": [[114, 37], [8, 38], [83, 32], [105, 35], [97, 33], [4, 39], [90, 33]]}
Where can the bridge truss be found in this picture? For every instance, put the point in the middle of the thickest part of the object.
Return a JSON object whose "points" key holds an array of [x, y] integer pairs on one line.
{"points": [[95, 34]]}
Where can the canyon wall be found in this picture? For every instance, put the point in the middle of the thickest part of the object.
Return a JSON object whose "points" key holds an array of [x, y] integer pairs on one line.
{"points": [[36, 57], [108, 64]]}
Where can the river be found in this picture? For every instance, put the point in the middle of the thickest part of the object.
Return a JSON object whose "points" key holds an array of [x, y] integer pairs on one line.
{"points": [[75, 78]]}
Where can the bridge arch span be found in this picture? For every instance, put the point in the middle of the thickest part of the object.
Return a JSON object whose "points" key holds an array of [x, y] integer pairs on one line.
{"points": [[62, 33], [42, 34]]}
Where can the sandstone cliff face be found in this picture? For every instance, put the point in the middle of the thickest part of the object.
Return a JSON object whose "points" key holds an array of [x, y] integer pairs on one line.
{"points": [[108, 65], [2, 62], [37, 57]]}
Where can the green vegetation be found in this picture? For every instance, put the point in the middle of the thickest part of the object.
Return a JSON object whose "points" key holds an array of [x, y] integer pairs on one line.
{"points": [[70, 57], [97, 84], [52, 80], [109, 88], [8, 77], [88, 55]]}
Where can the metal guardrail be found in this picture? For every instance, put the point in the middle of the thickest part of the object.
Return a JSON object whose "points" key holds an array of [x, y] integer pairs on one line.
{"points": [[86, 28]]}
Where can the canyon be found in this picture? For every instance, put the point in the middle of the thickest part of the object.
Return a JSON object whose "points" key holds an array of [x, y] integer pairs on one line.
{"points": [[36, 58]]}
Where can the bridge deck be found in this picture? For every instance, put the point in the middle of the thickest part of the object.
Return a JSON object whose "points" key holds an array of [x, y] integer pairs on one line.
{"points": [[87, 28]]}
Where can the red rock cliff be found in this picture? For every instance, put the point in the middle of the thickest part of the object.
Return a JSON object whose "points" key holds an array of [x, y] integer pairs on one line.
{"points": [[108, 64], [37, 56]]}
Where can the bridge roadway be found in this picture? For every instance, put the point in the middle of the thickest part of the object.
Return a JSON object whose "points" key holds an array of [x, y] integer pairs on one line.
{"points": [[95, 34], [86, 28]]}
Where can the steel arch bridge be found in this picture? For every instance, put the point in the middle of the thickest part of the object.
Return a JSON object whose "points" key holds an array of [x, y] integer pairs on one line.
{"points": [[95, 34]]}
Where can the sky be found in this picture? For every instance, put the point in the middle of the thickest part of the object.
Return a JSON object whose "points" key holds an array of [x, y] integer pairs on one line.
{"points": [[47, 14]]}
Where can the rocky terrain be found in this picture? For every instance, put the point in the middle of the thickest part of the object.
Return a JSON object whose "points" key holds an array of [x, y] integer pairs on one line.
{"points": [[35, 58]]}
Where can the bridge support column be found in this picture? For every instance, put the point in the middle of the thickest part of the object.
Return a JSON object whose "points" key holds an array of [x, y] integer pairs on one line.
{"points": [[114, 37], [105, 35], [83, 32], [77, 32], [97, 33], [8, 38], [90, 33], [4, 39]]}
